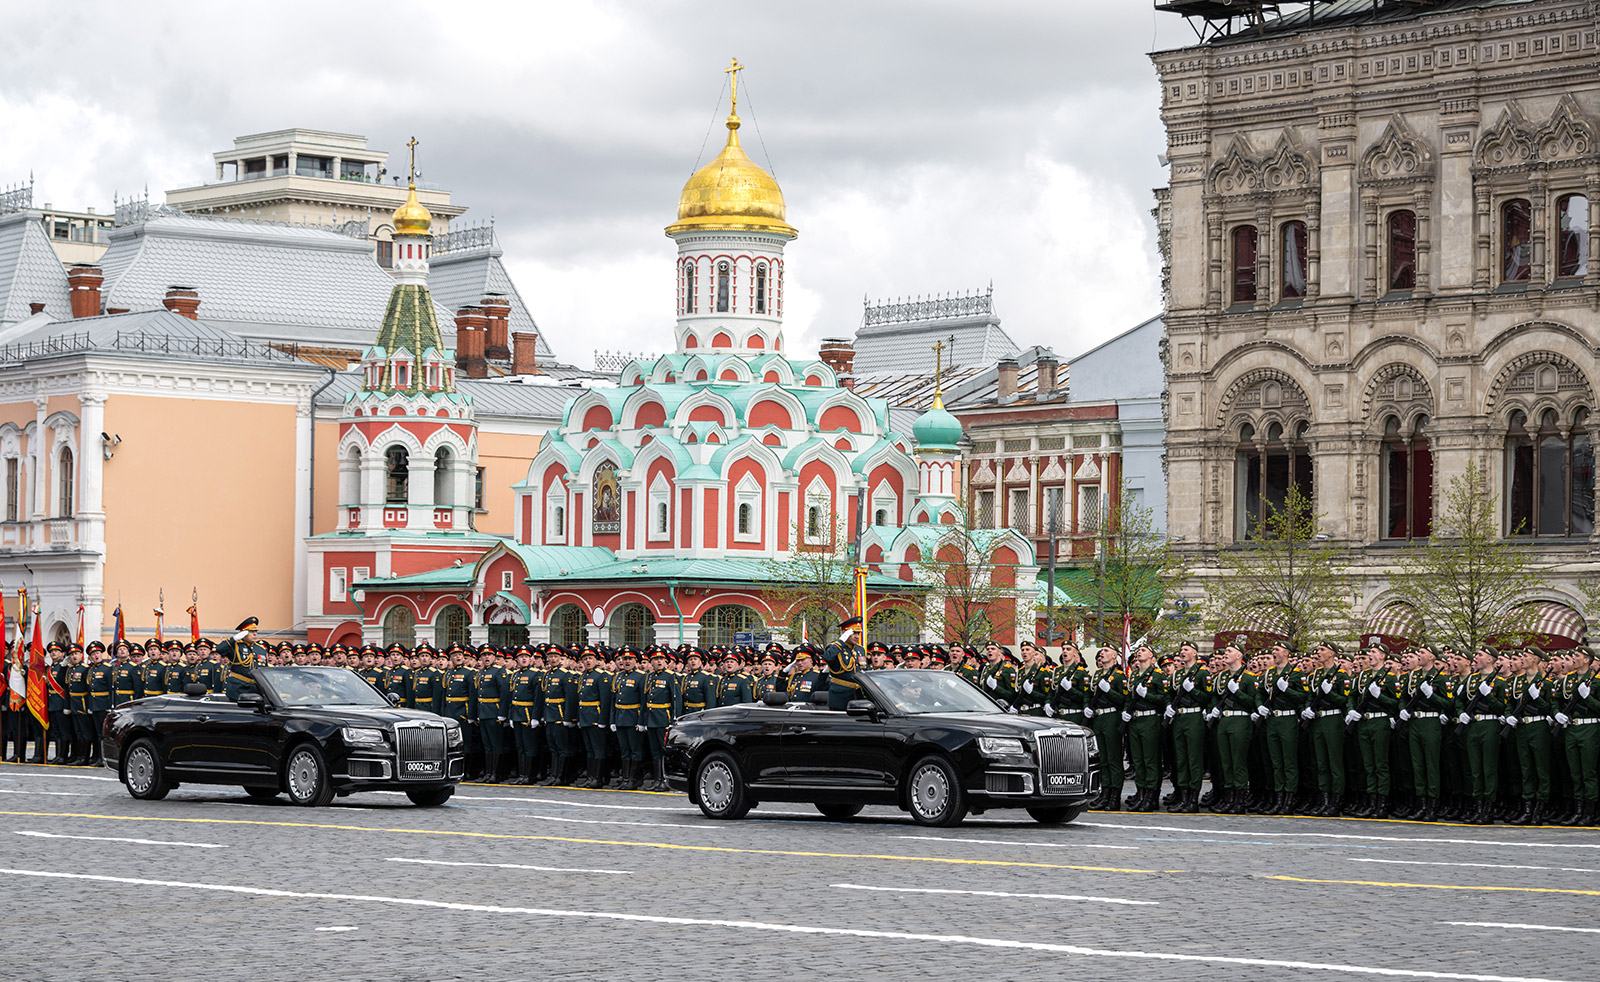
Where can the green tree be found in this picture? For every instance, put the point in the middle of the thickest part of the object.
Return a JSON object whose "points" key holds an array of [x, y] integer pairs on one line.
{"points": [[971, 596], [1469, 583], [812, 585], [1135, 574], [1287, 575]]}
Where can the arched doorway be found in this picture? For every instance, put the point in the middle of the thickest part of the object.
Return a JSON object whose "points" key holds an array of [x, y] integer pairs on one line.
{"points": [[568, 627], [724, 624], [400, 626], [450, 627], [633, 624]]}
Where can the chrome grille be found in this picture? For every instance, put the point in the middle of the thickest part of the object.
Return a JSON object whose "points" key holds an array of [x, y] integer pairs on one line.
{"points": [[1063, 765], [421, 751], [1002, 783]]}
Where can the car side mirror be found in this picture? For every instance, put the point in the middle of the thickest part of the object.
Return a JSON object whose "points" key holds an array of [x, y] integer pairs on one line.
{"points": [[251, 700], [394, 698], [860, 707]]}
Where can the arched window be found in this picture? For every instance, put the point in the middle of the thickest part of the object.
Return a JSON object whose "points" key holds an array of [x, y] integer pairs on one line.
{"points": [[399, 626], [1268, 464], [560, 520], [688, 288], [1516, 235], [64, 478], [722, 288], [1244, 264], [444, 485], [744, 519], [761, 288], [1572, 236], [1402, 251], [568, 626], [1552, 475], [814, 523], [880, 517], [661, 517], [450, 627], [633, 624], [721, 625], [1294, 260], [350, 478], [1407, 481], [893, 626], [397, 462]]}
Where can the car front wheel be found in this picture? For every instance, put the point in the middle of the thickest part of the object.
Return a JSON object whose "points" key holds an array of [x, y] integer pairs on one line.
{"points": [[934, 793], [1056, 815], [720, 789], [306, 777], [430, 797], [142, 772]]}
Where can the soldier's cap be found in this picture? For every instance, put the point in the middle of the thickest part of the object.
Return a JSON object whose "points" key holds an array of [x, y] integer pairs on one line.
{"points": [[849, 622], [208, 643], [1331, 645], [121, 644], [627, 651], [938, 659], [898, 649], [283, 646], [176, 645], [806, 650], [1375, 643], [95, 647], [1284, 644], [775, 646], [249, 624], [524, 651], [152, 643], [876, 646], [768, 657]]}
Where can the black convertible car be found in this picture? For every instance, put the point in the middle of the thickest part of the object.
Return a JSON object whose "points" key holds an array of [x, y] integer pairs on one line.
{"points": [[928, 742], [311, 732]]}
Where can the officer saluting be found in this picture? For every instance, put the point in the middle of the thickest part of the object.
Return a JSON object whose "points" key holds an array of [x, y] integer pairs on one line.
{"points": [[844, 659], [243, 653]]}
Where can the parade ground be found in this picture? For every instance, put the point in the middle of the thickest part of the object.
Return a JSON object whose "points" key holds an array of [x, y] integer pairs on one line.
{"points": [[523, 883]]}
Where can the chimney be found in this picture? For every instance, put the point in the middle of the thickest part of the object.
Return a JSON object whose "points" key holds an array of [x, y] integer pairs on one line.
{"points": [[1046, 384], [1008, 379], [84, 282], [183, 301], [498, 311], [524, 350], [839, 354], [35, 308], [471, 328]]}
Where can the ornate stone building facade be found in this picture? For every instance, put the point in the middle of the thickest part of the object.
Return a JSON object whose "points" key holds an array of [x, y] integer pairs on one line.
{"points": [[1381, 228]]}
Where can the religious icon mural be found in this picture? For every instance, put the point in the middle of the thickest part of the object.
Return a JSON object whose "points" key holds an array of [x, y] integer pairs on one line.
{"points": [[607, 500]]}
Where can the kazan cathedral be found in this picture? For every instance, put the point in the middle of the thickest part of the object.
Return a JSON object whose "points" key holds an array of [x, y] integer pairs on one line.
{"points": [[654, 512]]}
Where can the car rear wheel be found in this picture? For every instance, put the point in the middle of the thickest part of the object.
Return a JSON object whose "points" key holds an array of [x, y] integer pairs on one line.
{"points": [[1053, 815], [430, 797], [839, 812], [261, 794], [142, 772], [306, 777], [934, 793], [720, 789]]}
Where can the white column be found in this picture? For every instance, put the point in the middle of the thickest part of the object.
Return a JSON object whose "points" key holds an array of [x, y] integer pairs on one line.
{"points": [[41, 453], [465, 475], [372, 490], [304, 432], [419, 515]]}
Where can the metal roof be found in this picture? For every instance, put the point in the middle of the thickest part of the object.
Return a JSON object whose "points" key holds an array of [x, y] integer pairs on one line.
{"points": [[30, 270], [463, 277], [142, 333], [489, 398]]}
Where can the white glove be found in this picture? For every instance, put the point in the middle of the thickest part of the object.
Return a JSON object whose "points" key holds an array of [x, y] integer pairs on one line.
{"points": [[1188, 685], [572, 724], [1233, 685], [1027, 687], [613, 727], [1463, 719], [1141, 690], [1327, 686], [1533, 692], [1259, 714], [1583, 689], [1088, 713], [1049, 710], [1012, 710], [1393, 723], [641, 729], [1127, 717], [1213, 715], [1509, 720], [1169, 713], [1105, 685], [1427, 690], [538, 722], [1374, 690], [1283, 685], [1563, 718], [991, 682], [1405, 716], [1307, 714], [1485, 688], [239, 637], [1352, 716], [1066, 685]]}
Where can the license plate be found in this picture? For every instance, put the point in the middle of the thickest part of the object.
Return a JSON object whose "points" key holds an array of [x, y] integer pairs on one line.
{"points": [[422, 767], [1063, 780]]}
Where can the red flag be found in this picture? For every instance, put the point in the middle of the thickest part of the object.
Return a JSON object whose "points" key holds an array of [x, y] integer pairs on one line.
{"points": [[5, 650], [194, 622], [38, 677]]}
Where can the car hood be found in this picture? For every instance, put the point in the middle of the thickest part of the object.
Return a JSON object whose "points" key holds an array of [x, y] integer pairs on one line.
{"points": [[997, 724], [369, 716]]}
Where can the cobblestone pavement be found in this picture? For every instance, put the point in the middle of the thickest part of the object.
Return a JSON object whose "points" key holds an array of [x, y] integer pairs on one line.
{"points": [[530, 883]]}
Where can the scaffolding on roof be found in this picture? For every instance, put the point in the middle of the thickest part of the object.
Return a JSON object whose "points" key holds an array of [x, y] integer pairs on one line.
{"points": [[1217, 19]]}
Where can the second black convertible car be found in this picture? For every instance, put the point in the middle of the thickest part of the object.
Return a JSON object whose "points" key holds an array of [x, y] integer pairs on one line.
{"points": [[311, 732], [928, 742]]}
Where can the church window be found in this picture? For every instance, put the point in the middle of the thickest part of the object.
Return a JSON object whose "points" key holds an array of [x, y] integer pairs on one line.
{"points": [[1055, 516], [1019, 509], [722, 287], [744, 519], [747, 510], [1244, 264], [561, 520], [1294, 260], [688, 289], [64, 484], [1267, 467], [1552, 475], [443, 479], [986, 509], [661, 517], [477, 490], [13, 488], [450, 627], [1516, 245], [1402, 251], [1407, 481], [814, 523], [568, 626], [880, 517], [723, 625], [397, 464], [399, 626], [761, 289], [1572, 236], [633, 624]]}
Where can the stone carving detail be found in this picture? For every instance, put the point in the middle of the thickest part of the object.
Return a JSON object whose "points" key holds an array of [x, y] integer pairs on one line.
{"points": [[1569, 135], [1399, 155], [1509, 143], [1396, 390], [1265, 389], [1540, 375], [1237, 172], [1289, 167]]}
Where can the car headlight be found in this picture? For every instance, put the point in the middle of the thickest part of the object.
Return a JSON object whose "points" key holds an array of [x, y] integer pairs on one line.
{"points": [[1001, 747], [1094, 746], [453, 736], [362, 734]]}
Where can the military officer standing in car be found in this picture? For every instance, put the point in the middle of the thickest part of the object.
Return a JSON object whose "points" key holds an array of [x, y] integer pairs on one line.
{"points": [[845, 659], [242, 653]]}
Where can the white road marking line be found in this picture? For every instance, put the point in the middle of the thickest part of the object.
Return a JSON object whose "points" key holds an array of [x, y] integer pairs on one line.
{"points": [[58, 794], [58, 776], [563, 801], [537, 869], [996, 893], [1524, 927], [1196, 829], [1420, 862], [108, 838], [604, 821], [942, 939], [1013, 842], [339, 927]]}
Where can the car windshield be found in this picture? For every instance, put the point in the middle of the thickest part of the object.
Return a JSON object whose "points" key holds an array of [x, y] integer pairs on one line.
{"points": [[318, 687], [910, 692]]}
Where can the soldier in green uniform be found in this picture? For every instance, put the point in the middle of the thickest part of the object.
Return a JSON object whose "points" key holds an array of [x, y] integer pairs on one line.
{"points": [[460, 703], [800, 676], [1328, 699], [594, 714], [1147, 700], [699, 685], [999, 675], [1235, 696], [734, 686], [207, 670], [560, 715], [1071, 687], [1034, 681], [766, 679], [1579, 716], [1482, 701], [371, 672], [129, 677], [663, 704], [844, 658], [177, 668], [241, 652], [102, 687], [1191, 691], [1108, 693], [78, 702], [628, 687], [1283, 695], [1532, 702], [58, 704], [1374, 705], [1425, 699], [427, 681], [526, 689], [397, 681], [152, 673], [494, 708]]}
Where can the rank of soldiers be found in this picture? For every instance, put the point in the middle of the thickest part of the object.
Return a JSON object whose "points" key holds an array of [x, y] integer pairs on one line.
{"points": [[1427, 734]]}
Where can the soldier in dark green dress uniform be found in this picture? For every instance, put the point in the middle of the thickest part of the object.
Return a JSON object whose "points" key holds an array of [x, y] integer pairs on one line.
{"points": [[663, 702], [594, 715], [526, 685], [459, 701], [766, 679], [177, 668], [1234, 699], [1108, 693], [397, 681], [628, 687], [427, 681], [801, 676], [1071, 687], [208, 670], [1481, 702], [844, 658], [1191, 696], [1147, 700], [1283, 695], [999, 675], [129, 677], [734, 687], [1034, 689], [494, 708], [78, 703], [699, 685], [102, 689], [242, 653], [1328, 699], [58, 704], [1532, 703], [1578, 713], [560, 715]]}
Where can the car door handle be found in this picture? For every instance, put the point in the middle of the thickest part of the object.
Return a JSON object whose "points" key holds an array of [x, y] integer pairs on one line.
{"points": [[202, 718], [796, 729]]}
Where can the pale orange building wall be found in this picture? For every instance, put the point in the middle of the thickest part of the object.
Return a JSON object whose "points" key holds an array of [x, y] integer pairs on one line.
{"points": [[326, 496], [200, 494], [505, 458]]}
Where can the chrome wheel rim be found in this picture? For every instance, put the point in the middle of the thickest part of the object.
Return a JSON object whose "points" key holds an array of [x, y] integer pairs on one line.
{"points": [[930, 790], [716, 786], [303, 774], [141, 773]]}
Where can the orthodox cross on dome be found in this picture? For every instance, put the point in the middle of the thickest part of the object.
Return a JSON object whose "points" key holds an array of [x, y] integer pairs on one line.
{"points": [[732, 72], [412, 179], [938, 373]]}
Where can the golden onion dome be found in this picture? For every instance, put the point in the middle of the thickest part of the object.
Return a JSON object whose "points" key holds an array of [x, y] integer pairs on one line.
{"points": [[411, 218], [732, 193]]}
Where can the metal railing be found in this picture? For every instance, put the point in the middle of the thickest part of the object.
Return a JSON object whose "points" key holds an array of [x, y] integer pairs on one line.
{"points": [[906, 310], [150, 342]]}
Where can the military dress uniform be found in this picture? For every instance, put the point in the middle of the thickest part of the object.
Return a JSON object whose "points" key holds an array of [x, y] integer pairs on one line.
{"points": [[102, 688], [209, 674], [241, 656], [128, 683], [153, 677], [527, 715], [699, 692], [1147, 700], [560, 719], [999, 679], [1235, 698], [1532, 699], [373, 676], [82, 721], [1482, 701], [493, 708], [1191, 692], [594, 721], [1070, 694], [663, 701], [1374, 707], [1579, 715], [59, 713], [736, 688], [427, 690], [459, 701], [844, 660], [1329, 700], [628, 715], [1035, 689], [1283, 695], [397, 682], [1427, 699], [177, 676], [1108, 693]]}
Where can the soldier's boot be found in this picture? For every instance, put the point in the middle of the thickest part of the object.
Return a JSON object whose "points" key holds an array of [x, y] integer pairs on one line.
{"points": [[1169, 800], [1524, 815], [1587, 816], [1485, 813], [552, 774], [1541, 812], [1135, 801], [591, 778], [518, 778], [597, 769], [1430, 810], [1209, 798], [1215, 800], [658, 775], [1192, 803], [635, 775], [1111, 801]]}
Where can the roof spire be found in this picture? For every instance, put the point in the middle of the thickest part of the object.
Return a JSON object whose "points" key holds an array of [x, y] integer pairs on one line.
{"points": [[411, 179], [733, 71]]}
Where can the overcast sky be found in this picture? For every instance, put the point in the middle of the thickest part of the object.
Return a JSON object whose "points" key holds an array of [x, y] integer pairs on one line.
{"points": [[922, 147]]}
